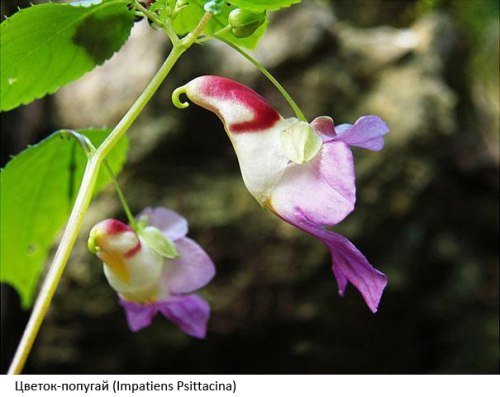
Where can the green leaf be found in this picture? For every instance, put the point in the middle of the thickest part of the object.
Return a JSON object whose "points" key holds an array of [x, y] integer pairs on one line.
{"points": [[38, 190], [49, 45], [156, 240], [263, 5], [187, 19]]}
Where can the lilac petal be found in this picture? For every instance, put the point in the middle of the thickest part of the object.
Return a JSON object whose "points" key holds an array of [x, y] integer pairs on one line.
{"points": [[138, 315], [323, 189], [173, 225], [192, 270], [190, 313], [367, 132], [342, 280], [340, 129], [348, 263]]}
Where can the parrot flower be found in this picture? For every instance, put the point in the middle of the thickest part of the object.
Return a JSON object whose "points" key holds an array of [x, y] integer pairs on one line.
{"points": [[155, 269], [303, 173]]}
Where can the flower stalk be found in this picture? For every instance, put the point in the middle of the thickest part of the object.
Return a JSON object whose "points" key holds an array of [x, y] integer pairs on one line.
{"points": [[82, 202], [296, 109]]}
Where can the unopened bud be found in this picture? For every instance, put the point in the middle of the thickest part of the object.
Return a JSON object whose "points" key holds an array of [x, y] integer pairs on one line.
{"points": [[244, 23]]}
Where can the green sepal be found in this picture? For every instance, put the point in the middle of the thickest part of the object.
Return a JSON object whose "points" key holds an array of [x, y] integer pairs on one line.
{"points": [[300, 143], [91, 245], [156, 240]]}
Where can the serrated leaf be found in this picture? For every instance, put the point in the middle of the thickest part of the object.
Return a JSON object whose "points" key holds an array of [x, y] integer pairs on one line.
{"points": [[49, 45], [263, 5], [38, 188], [157, 241], [187, 19]]}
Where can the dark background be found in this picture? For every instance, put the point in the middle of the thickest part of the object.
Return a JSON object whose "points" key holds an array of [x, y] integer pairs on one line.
{"points": [[427, 209]]}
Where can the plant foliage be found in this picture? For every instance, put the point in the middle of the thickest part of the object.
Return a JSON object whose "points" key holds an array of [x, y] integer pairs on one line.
{"points": [[49, 45], [38, 190]]}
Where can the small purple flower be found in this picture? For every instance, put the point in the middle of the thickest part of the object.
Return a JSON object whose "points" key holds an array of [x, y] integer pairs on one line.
{"points": [[302, 172], [155, 269]]}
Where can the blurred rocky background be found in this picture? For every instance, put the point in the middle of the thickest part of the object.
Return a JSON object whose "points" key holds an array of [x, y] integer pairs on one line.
{"points": [[427, 209]]}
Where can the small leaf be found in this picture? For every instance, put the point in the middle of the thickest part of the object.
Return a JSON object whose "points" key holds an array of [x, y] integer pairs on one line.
{"points": [[263, 5], [157, 241], [49, 45], [38, 190], [188, 17]]}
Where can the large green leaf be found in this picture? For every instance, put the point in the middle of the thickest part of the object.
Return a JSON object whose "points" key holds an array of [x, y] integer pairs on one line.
{"points": [[38, 188], [46, 46], [189, 16], [263, 5]]}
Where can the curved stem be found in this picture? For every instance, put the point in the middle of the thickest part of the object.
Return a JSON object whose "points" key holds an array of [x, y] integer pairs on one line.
{"points": [[121, 197], [89, 149], [83, 200], [139, 104], [298, 112]]}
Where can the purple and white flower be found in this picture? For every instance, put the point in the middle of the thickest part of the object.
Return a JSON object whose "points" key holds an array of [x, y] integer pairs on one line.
{"points": [[302, 172], [155, 269]]}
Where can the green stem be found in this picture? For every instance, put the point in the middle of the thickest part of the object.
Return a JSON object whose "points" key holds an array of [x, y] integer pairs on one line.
{"points": [[148, 14], [165, 25], [56, 269], [258, 65], [121, 197], [89, 149], [84, 197]]}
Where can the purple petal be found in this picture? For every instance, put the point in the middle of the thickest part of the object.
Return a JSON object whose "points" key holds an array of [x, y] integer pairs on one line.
{"points": [[341, 279], [323, 189], [192, 270], [367, 132], [173, 225], [348, 263], [190, 313], [138, 316]]}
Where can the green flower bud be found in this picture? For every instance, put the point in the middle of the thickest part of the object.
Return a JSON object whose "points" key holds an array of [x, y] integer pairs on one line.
{"points": [[244, 23]]}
